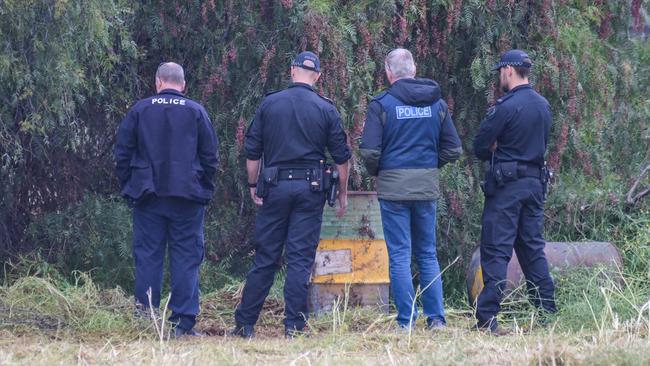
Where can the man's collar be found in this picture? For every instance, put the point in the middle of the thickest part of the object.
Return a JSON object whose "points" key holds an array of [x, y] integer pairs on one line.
{"points": [[304, 85], [519, 87], [406, 78], [172, 91]]}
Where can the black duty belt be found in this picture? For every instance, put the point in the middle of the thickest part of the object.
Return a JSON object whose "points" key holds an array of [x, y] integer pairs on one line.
{"points": [[294, 174], [526, 170]]}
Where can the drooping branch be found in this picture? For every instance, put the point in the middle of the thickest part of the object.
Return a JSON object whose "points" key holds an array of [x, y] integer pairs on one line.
{"points": [[631, 197]]}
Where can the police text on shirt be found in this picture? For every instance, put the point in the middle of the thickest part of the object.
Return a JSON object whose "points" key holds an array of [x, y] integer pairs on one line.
{"points": [[174, 101]]}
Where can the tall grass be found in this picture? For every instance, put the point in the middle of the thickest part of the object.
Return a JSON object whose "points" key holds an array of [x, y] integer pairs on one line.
{"points": [[603, 318]]}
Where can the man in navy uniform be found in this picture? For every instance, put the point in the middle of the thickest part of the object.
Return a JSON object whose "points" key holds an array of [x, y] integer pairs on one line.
{"points": [[513, 138], [286, 143], [166, 157], [408, 136]]}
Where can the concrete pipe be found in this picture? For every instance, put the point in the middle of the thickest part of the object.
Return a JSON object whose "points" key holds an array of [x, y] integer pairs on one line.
{"points": [[560, 256]]}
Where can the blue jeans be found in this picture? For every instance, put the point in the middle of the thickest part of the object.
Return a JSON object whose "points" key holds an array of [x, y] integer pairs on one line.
{"points": [[410, 228]]}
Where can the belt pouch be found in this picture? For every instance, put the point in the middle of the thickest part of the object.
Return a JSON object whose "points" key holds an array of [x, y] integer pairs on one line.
{"points": [[270, 176], [509, 171]]}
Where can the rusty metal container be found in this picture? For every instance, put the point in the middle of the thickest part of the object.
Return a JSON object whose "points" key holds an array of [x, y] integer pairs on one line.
{"points": [[352, 260], [560, 256]]}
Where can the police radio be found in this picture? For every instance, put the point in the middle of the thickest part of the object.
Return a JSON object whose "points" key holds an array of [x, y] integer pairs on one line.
{"points": [[316, 183]]}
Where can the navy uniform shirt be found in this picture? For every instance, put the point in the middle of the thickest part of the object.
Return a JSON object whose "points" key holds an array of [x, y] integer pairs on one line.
{"points": [[520, 123], [166, 145], [293, 127]]}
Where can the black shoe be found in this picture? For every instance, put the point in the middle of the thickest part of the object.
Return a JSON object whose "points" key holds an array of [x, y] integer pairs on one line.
{"points": [[244, 331], [496, 330], [291, 333], [180, 332]]}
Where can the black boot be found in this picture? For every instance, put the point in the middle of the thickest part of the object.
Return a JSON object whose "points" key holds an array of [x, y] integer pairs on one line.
{"points": [[244, 331], [291, 333], [180, 332]]}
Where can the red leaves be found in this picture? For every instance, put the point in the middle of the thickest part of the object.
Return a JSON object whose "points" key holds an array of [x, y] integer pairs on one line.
{"points": [[359, 120], [605, 25], [455, 206], [287, 4], [453, 15], [241, 133], [314, 26], [451, 104], [400, 24], [585, 161], [637, 20], [560, 146], [207, 6], [264, 67]]}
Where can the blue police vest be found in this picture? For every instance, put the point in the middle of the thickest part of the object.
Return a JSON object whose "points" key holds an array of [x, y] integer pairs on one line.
{"points": [[411, 135]]}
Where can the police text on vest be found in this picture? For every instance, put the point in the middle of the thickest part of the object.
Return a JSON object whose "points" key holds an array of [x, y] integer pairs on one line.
{"points": [[407, 111]]}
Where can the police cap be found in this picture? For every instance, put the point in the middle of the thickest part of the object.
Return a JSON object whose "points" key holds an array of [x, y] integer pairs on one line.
{"points": [[516, 58], [307, 60]]}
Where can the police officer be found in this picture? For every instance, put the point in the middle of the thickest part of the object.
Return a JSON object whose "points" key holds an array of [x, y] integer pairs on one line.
{"points": [[166, 157], [513, 139], [286, 144], [408, 136]]}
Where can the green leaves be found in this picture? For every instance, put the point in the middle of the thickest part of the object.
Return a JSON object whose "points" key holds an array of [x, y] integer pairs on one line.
{"points": [[70, 69]]}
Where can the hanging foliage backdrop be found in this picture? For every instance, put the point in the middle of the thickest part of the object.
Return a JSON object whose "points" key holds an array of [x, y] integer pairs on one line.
{"points": [[69, 70]]}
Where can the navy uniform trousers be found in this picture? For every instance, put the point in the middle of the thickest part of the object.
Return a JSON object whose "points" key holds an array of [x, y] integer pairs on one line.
{"points": [[290, 218], [161, 223], [513, 217]]}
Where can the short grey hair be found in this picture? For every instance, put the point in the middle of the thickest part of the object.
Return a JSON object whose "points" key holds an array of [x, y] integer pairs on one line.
{"points": [[400, 62], [170, 72]]}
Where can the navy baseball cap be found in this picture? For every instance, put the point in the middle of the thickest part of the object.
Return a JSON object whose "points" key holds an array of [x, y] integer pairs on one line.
{"points": [[517, 58], [307, 60]]}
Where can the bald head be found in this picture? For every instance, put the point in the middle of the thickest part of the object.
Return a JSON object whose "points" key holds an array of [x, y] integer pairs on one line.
{"points": [[170, 75], [300, 75], [399, 64]]}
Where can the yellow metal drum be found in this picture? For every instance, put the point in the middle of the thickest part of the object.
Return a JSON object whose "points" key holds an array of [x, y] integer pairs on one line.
{"points": [[351, 261]]}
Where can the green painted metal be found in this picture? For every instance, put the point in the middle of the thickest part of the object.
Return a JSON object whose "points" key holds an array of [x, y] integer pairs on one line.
{"points": [[362, 219], [358, 235]]}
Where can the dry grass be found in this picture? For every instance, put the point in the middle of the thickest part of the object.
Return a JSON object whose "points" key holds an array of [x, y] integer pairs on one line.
{"points": [[606, 329], [379, 347]]}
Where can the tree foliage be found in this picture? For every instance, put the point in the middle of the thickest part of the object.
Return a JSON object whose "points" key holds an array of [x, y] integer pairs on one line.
{"points": [[69, 70]]}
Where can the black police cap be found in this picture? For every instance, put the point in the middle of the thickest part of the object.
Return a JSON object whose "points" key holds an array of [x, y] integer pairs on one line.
{"points": [[307, 60], [517, 58]]}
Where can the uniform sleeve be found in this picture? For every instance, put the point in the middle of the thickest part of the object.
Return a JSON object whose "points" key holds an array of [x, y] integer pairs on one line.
{"points": [[491, 127], [450, 147], [208, 148], [548, 122], [253, 144], [371, 138], [337, 141], [125, 146]]}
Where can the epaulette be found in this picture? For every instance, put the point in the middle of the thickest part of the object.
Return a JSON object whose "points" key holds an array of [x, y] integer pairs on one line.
{"points": [[504, 98], [379, 96], [328, 100], [490, 112]]}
